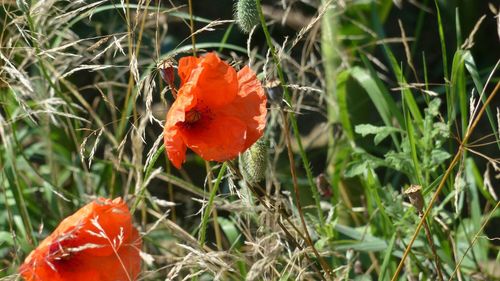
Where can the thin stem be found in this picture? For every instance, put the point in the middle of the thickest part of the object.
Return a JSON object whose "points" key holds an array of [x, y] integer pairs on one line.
{"points": [[149, 168], [291, 114], [280, 212], [218, 235], [304, 157], [474, 240], [433, 248], [191, 26], [10, 217], [208, 208], [130, 85], [455, 160], [296, 190], [170, 189]]}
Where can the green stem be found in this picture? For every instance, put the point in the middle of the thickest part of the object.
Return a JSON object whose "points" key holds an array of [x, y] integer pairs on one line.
{"points": [[208, 209], [291, 114], [454, 162], [305, 159], [149, 168]]}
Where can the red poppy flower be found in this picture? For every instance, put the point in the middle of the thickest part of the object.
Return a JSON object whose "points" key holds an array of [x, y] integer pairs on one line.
{"points": [[96, 243], [218, 112]]}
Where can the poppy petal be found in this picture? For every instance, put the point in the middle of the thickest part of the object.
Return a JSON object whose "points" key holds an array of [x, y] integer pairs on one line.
{"points": [[218, 113], [250, 105], [98, 242], [186, 66], [215, 82], [174, 145], [218, 138], [183, 103]]}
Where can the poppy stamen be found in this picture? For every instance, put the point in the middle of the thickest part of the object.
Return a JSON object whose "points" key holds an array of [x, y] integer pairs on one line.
{"points": [[192, 116]]}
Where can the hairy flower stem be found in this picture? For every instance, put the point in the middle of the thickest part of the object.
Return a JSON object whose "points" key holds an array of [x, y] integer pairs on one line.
{"points": [[455, 160], [218, 235], [170, 189], [281, 213], [293, 120], [314, 191], [130, 84], [140, 194], [296, 190], [208, 209], [414, 192], [433, 248]]}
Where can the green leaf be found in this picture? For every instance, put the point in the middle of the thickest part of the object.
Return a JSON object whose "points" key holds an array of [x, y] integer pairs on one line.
{"points": [[230, 231], [438, 156], [380, 133], [6, 237], [357, 168], [363, 241], [458, 91]]}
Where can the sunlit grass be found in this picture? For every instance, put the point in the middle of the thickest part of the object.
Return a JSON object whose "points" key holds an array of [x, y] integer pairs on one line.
{"points": [[376, 98]]}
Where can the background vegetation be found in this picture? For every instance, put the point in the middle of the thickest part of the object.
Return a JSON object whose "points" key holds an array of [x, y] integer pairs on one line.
{"points": [[379, 95]]}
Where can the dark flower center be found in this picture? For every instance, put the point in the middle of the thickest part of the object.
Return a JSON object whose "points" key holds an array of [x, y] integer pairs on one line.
{"points": [[192, 116]]}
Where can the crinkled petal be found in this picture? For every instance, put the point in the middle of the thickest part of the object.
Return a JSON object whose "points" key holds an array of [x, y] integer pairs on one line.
{"points": [[175, 146], [249, 106], [186, 66], [218, 138], [215, 82], [184, 102], [79, 250]]}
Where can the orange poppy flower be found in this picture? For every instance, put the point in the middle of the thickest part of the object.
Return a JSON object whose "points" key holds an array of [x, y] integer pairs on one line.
{"points": [[218, 112], [97, 243]]}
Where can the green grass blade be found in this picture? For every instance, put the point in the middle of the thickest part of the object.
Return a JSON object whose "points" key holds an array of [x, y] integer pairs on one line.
{"points": [[383, 102], [413, 146], [458, 91], [226, 37], [408, 95], [384, 268], [342, 93], [471, 67]]}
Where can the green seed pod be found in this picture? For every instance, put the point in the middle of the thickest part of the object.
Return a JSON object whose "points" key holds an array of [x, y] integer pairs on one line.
{"points": [[246, 14], [253, 162]]}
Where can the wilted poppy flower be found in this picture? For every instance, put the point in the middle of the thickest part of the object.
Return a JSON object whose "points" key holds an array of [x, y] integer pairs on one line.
{"points": [[96, 243], [218, 112]]}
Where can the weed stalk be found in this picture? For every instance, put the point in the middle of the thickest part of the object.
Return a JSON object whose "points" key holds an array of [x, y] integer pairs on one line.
{"points": [[442, 183]]}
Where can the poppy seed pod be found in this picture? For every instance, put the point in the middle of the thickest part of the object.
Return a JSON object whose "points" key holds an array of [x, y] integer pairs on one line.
{"points": [[253, 162], [246, 14], [324, 187], [167, 71], [414, 192]]}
